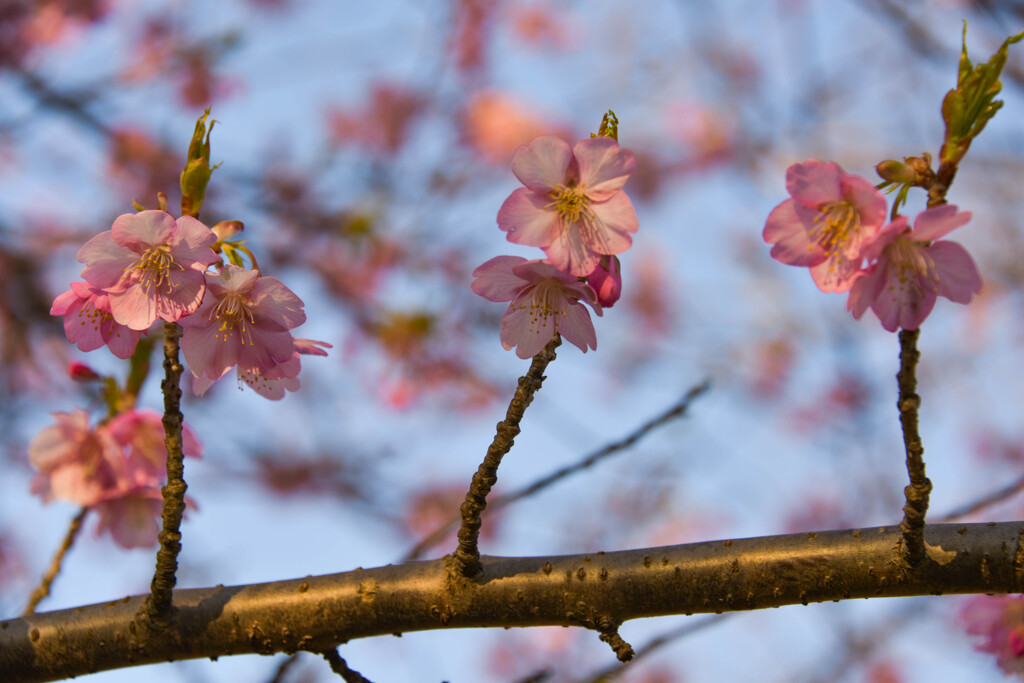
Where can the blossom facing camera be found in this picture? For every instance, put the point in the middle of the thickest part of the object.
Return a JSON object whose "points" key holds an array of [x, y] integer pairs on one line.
{"points": [[573, 206], [245, 321], [545, 300], [150, 265], [831, 217], [913, 269], [89, 322]]}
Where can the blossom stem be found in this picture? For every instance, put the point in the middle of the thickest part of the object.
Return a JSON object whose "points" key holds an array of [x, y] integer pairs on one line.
{"points": [[467, 555], [158, 606], [43, 589], [917, 492]]}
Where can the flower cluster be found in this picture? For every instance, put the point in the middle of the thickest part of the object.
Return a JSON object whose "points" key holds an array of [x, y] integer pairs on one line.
{"points": [[150, 266], [115, 468], [572, 207], [834, 225]]}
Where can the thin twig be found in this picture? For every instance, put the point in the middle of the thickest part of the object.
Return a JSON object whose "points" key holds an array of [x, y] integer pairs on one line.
{"points": [[43, 589], [678, 409], [159, 604], [467, 555], [920, 487], [284, 667], [340, 667], [985, 501]]}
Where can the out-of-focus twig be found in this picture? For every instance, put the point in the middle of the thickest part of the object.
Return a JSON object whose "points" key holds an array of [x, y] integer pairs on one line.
{"points": [[678, 409], [43, 589]]}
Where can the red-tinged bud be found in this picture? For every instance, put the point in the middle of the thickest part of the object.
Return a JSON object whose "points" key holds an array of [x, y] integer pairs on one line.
{"points": [[226, 229], [606, 279], [80, 372]]}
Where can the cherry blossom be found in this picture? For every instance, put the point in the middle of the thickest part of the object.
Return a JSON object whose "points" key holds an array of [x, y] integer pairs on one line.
{"points": [[245, 321], [151, 265], [826, 224], [75, 463], [573, 205], [89, 323], [913, 269], [140, 434], [544, 301], [999, 620]]}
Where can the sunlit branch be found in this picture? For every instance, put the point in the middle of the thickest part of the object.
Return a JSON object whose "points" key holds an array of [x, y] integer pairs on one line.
{"points": [[467, 555], [43, 589], [678, 409], [317, 613], [917, 492]]}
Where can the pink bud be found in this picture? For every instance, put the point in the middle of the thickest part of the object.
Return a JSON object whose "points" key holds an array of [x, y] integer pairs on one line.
{"points": [[80, 372], [606, 279]]}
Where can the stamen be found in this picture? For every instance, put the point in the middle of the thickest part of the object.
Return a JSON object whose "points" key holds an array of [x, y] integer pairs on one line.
{"points": [[835, 226]]}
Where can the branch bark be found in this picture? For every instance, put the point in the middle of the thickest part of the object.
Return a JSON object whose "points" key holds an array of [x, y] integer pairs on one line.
{"points": [[318, 613]]}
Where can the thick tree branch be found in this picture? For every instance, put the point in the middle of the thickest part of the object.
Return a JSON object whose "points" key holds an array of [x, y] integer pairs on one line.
{"points": [[318, 613]]}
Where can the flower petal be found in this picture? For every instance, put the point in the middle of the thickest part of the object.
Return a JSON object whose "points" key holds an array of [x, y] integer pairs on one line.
{"points": [[604, 166], [546, 162], [527, 219], [959, 279], [814, 183]]}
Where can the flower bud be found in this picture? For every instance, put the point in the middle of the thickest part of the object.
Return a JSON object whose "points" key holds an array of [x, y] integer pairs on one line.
{"points": [[80, 372]]}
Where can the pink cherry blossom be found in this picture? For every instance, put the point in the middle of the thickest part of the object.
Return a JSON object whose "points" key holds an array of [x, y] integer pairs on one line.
{"points": [[140, 434], [130, 517], [606, 279], [151, 265], [244, 321], [999, 620], [573, 205], [544, 301], [913, 269], [75, 463], [89, 323], [826, 224]]}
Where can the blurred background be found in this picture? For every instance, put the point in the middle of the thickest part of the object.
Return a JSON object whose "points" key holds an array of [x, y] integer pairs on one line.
{"points": [[366, 147]]}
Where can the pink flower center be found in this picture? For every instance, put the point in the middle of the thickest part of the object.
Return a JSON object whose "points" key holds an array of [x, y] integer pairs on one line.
{"points": [[569, 203], [912, 268], [835, 226], [234, 313], [153, 269]]}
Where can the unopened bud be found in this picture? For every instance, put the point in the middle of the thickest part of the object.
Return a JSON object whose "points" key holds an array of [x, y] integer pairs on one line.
{"points": [[226, 229], [80, 372], [897, 172]]}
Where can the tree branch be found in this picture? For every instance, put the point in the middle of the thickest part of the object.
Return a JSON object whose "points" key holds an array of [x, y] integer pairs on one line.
{"points": [[318, 613]]}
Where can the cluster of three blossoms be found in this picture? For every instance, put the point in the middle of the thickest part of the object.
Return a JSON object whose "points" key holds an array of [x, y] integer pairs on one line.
{"points": [[572, 207], [835, 222], [151, 266]]}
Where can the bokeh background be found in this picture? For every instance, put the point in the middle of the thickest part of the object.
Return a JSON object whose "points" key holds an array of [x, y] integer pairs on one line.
{"points": [[366, 148]]}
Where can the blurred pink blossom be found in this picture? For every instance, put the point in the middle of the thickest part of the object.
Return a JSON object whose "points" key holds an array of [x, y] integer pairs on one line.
{"points": [[244, 321], [151, 265], [999, 621], [573, 205], [383, 125], [495, 124], [116, 468], [913, 269], [89, 323], [826, 224], [544, 300]]}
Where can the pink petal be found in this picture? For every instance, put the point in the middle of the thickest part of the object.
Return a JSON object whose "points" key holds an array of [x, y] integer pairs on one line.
{"points": [[276, 305], [814, 183], [546, 162], [526, 218], [191, 243], [938, 222], [869, 202], [522, 327], [835, 275], [959, 278], [133, 308], [105, 261], [617, 215], [865, 290], [577, 328], [140, 231], [604, 166], [495, 280]]}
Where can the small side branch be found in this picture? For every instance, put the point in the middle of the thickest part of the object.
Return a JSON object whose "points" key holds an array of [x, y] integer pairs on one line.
{"points": [[43, 590], [159, 604], [920, 486], [623, 650], [467, 555], [340, 667]]}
